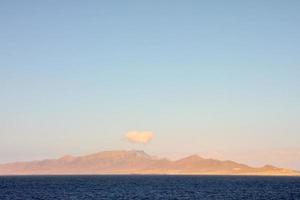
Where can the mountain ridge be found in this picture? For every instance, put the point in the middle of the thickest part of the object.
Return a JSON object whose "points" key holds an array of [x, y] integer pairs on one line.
{"points": [[137, 162]]}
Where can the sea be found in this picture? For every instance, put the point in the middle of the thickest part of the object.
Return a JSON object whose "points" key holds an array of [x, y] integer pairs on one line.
{"points": [[128, 187]]}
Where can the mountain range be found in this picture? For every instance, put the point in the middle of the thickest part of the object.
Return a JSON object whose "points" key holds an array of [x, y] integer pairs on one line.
{"points": [[136, 162]]}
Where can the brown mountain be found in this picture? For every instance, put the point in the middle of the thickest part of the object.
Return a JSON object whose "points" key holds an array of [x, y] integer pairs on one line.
{"points": [[136, 162]]}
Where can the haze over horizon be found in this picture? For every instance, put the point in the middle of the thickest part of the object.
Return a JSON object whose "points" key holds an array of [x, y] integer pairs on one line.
{"points": [[171, 78]]}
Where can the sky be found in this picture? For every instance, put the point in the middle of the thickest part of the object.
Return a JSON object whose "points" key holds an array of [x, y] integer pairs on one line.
{"points": [[214, 78]]}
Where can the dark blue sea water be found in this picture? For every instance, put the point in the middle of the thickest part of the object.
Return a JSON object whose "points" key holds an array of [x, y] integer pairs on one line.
{"points": [[149, 187]]}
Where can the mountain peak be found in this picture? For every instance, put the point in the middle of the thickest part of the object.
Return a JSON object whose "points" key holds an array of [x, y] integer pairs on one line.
{"points": [[117, 155], [141, 153], [136, 162], [192, 158]]}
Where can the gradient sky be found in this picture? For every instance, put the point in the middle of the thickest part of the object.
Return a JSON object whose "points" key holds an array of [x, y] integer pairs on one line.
{"points": [[216, 78]]}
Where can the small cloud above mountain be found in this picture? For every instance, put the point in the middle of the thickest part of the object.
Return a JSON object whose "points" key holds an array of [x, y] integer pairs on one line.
{"points": [[139, 137]]}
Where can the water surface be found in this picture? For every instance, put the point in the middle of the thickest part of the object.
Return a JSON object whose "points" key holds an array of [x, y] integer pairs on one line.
{"points": [[149, 187]]}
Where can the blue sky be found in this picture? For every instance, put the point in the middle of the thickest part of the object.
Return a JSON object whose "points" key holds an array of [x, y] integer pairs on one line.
{"points": [[215, 78]]}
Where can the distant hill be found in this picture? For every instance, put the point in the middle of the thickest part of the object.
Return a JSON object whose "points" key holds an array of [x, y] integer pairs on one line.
{"points": [[136, 162]]}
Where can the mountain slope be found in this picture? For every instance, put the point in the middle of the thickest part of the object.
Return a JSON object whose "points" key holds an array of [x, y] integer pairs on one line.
{"points": [[136, 162]]}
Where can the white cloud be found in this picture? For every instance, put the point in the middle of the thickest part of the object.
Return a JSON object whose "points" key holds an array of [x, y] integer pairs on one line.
{"points": [[140, 137]]}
